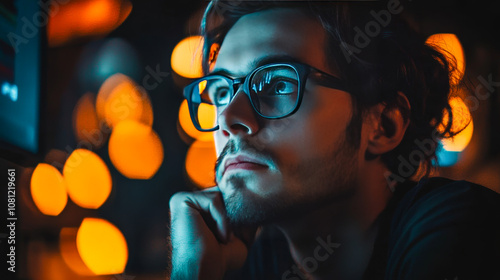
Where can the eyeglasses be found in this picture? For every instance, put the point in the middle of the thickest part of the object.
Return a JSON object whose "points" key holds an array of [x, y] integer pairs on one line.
{"points": [[275, 91]]}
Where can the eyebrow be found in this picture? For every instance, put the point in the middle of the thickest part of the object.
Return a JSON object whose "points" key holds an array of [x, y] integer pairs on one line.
{"points": [[257, 63]]}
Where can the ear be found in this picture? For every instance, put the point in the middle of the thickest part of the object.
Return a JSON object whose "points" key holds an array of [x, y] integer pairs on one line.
{"points": [[388, 126]]}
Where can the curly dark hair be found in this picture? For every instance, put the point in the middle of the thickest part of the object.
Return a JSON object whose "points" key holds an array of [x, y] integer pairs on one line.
{"points": [[395, 60]]}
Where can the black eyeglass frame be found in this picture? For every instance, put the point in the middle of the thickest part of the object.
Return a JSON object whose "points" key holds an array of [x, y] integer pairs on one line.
{"points": [[303, 72]]}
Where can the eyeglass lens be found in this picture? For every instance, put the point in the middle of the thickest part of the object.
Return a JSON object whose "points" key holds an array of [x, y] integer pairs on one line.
{"points": [[273, 91]]}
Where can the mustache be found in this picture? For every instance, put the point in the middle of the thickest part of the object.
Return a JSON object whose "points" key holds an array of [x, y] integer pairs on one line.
{"points": [[232, 147]]}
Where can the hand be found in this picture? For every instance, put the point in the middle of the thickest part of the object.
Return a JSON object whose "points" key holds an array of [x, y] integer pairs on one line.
{"points": [[203, 244]]}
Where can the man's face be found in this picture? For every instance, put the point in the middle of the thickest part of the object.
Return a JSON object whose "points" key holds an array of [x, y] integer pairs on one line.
{"points": [[285, 166]]}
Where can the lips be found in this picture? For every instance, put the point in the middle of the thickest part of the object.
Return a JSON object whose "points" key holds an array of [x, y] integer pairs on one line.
{"points": [[243, 162]]}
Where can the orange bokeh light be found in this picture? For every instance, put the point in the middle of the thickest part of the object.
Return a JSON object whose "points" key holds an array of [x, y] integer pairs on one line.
{"points": [[48, 189], [206, 114], [86, 18], [120, 98], [461, 118], [102, 246], [88, 179], [135, 150], [460, 141], [452, 50], [86, 123], [187, 57], [200, 163], [69, 252]]}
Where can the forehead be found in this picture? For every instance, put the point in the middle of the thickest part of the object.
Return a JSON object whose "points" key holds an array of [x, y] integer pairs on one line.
{"points": [[277, 32]]}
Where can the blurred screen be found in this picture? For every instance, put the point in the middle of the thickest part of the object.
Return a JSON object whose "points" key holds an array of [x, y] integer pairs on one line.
{"points": [[19, 74]]}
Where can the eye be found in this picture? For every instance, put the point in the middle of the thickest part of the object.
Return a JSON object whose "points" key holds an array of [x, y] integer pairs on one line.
{"points": [[276, 87], [221, 96], [283, 87]]}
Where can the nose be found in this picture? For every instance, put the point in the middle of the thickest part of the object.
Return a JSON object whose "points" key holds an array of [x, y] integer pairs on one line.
{"points": [[239, 116]]}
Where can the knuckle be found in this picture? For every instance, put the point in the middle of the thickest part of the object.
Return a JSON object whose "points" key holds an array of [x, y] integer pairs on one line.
{"points": [[178, 199]]}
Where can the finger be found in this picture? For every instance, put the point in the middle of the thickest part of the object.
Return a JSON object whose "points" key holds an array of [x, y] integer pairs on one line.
{"points": [[212, 201], [211, 189], [246, 234], [217, 211], [210, 207]]}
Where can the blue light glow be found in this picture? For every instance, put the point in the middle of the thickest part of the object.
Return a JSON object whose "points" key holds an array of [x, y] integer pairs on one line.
{"points": [[9, 90], [5, 88], [446, 158]]}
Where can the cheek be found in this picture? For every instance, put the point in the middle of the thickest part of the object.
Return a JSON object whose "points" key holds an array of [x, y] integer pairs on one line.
{"points": [[309, 133], [318, 125]]}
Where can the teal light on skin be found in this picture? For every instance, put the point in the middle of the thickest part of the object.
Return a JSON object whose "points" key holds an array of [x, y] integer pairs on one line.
{"points": [[446, 158]]}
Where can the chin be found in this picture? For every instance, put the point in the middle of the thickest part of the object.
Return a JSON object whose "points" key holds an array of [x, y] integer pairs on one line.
{"points": [[248, 203]]}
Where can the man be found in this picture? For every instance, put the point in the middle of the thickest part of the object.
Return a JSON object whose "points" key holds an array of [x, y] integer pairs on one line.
{"points": [[310, 125]]}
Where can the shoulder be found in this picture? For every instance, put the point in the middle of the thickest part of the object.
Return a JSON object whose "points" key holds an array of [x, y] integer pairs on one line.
{"points": [[444, 229], [447, 201]]}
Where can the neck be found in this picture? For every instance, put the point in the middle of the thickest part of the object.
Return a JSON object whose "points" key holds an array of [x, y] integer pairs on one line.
{"points": [[336, 241]]}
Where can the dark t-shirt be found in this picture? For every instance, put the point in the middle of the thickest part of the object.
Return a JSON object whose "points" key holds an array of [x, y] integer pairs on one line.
{"points": [[437, 229]]}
